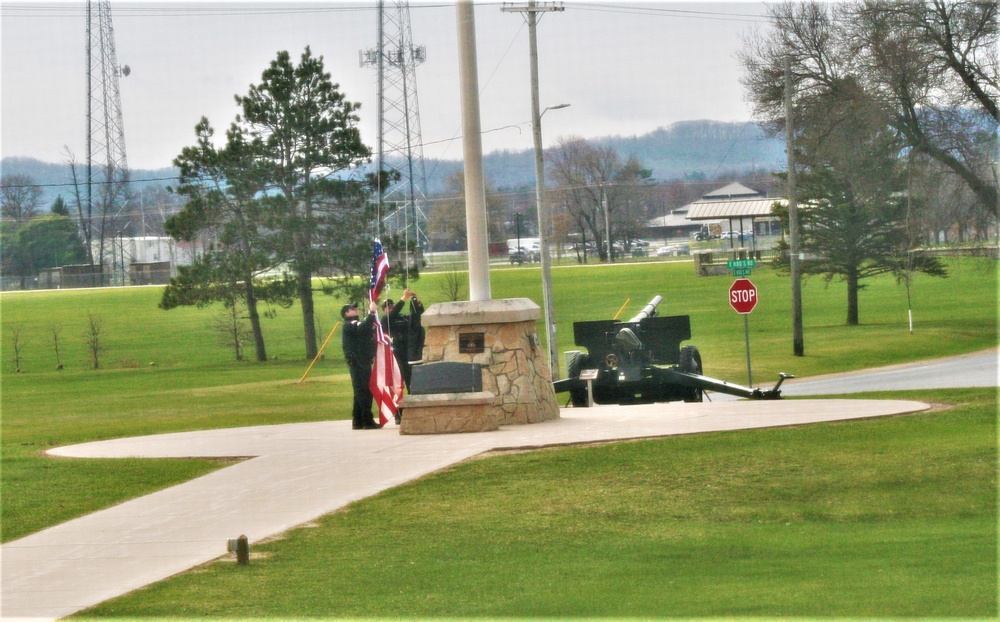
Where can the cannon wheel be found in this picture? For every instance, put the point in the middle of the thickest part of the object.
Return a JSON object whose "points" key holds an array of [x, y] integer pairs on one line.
{"points": [[690, 362], [578, 362]]}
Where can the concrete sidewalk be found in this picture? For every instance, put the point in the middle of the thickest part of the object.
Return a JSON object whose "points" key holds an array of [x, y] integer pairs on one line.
{"points": [[299, 472]]}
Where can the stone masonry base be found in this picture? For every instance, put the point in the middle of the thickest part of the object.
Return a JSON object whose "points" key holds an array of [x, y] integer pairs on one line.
{"points": [[515, 366], [445, 413]]}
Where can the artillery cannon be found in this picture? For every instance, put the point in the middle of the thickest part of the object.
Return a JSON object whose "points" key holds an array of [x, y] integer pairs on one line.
{"points": [[641, 361]]}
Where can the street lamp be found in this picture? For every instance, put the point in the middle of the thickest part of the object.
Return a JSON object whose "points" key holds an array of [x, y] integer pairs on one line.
{"points": [[532, 10], [543, 226]]}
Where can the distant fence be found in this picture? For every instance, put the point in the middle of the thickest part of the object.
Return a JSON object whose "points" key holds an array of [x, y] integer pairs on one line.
{"points": [[993, 252], [85, 276]]}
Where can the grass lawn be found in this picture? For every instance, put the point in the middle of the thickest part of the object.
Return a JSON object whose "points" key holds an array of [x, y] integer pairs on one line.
{"points": [[894, 517], [166, 371]]}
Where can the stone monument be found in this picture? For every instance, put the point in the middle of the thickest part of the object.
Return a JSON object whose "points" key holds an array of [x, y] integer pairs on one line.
{"points": [[502, 337]]}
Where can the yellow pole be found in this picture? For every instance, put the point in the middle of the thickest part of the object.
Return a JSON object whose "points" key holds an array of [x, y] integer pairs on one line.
{"points": [[320, 353], [627, 300]]}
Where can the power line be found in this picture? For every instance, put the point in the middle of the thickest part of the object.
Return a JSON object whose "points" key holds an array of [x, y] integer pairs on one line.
{"points": [[75, 10], [669, 12]]}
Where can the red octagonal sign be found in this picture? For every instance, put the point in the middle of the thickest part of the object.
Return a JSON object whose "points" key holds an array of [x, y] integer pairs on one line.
{"points": [[743, 296]]}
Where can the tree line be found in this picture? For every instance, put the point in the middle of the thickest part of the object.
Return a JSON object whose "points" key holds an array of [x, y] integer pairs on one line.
{"points": [[895, 138]]}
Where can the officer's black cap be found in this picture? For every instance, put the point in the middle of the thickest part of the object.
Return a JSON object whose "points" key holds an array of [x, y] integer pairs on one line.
{"points": [[343, 310]]}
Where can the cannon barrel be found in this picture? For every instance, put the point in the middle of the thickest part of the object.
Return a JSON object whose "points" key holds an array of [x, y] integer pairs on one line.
{"points": [[648, 310]]}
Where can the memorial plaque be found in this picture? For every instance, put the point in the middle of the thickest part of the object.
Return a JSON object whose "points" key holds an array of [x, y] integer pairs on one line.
{"points": [[470, 343]]}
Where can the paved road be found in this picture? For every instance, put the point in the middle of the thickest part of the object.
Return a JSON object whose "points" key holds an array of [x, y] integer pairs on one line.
{"points": [[967, 370]]}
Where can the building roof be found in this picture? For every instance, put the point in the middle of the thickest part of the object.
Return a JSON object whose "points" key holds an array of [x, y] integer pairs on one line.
{"points": [[746, 208], [676, 218], [731, 191]]}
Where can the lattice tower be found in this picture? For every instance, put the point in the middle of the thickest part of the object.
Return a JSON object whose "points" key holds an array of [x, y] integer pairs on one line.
{"points": [[399, 146]]}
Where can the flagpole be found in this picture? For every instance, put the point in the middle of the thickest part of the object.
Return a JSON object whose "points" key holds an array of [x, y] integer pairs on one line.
{"points": [[320, 353], [477, 238]]}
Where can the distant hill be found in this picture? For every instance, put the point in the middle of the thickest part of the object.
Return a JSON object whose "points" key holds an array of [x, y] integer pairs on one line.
{"points": [[57, 179], [691, 148], [685, 149]]}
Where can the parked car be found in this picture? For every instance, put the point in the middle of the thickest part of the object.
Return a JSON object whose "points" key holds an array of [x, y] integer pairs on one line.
{"points": [[589, 247], [738, 236], [673, 250], [532, 254]]}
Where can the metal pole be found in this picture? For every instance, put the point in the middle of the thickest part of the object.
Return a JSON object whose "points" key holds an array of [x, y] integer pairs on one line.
{"points": [[746, 337], [542, 207], [517, 252], [607, 222], [798, 345], [472, 141], [88, 226], [380, 118]]}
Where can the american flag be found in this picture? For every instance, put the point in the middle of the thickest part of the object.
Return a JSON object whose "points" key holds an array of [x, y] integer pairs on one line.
{"points": [[380, 266], [386, 382]]}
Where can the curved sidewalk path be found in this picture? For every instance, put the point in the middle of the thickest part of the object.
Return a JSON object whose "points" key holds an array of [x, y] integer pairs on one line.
{"points": [[299, 472]]}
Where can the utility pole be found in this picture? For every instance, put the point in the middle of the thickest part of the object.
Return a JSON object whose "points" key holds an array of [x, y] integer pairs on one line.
{"points": [[798, 345], [532, 9]]}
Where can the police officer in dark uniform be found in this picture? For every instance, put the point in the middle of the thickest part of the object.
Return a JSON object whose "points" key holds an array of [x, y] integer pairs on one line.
{"points": [[406, 333], [359, 353], [401, 329]]}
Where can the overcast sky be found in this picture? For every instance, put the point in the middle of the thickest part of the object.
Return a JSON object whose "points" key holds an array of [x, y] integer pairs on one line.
{"points": [[624, 67]]}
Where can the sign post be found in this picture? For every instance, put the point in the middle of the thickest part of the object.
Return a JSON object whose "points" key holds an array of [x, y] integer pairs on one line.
{"points": [[741, 267], [743, 298]]}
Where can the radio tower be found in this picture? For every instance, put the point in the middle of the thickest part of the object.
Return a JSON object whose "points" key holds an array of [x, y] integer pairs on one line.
{"points": [[107, 167], [399, 149]]}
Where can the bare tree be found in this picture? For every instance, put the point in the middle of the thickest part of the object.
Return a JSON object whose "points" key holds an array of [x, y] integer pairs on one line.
{"points": [[932, 66], [20, 198], [17, 345], [233, 329], [453, 284], [83, 208], [93, 338], [446, 221], [600, 191], [584, 174], [56, 332]]}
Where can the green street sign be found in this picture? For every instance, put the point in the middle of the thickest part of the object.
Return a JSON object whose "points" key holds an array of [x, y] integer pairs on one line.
{"points": [[741, 263], [741, 271]]}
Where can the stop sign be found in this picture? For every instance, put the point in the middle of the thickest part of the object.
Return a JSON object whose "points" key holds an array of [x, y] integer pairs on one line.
{"points": [[743, 296]]}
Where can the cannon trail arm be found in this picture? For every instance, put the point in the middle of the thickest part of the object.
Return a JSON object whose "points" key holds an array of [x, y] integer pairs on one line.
{"points": [[706, 383]]}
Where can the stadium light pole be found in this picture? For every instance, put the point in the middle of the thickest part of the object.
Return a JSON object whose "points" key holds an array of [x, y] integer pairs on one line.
{"points": [[543, 227]]}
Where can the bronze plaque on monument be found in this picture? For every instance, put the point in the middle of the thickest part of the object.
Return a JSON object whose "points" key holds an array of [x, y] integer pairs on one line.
{"points": [[470, 343]]}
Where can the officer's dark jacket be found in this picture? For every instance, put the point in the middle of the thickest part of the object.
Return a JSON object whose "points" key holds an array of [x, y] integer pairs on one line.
{"points": [[359, 341]]}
